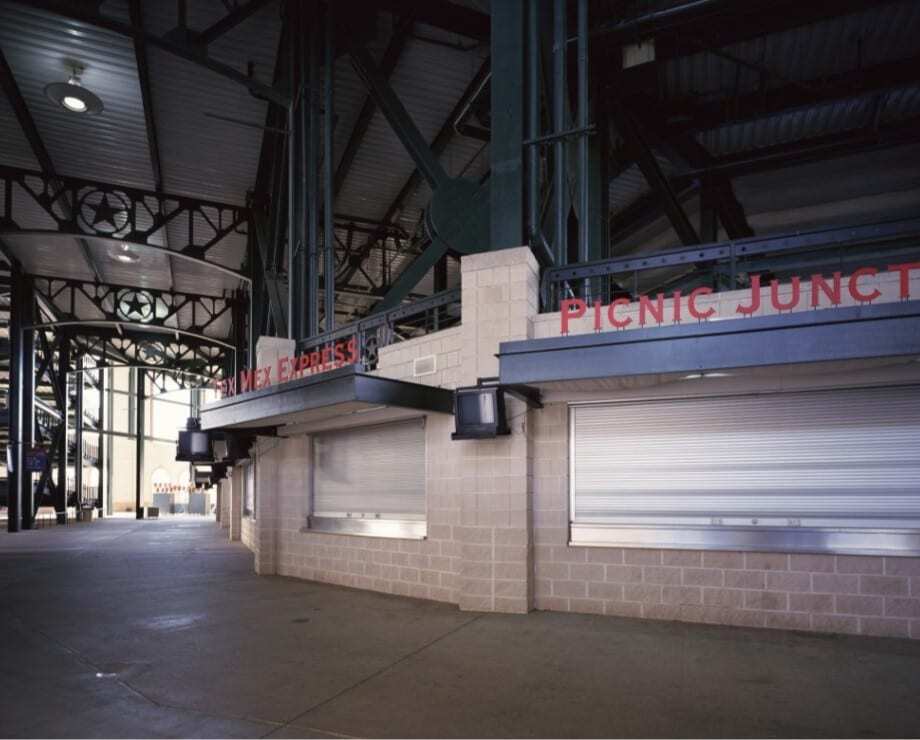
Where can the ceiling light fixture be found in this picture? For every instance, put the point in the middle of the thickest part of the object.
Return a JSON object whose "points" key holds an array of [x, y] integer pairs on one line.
{"points": [[72, 96], [124, 253]]}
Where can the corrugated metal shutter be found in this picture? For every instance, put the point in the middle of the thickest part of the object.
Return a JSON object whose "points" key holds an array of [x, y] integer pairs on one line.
{"points": [[837, 458], [371, 472]]}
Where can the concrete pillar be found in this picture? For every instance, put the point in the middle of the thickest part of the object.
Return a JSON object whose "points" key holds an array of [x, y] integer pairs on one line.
{"points": [[223, 502], [270, 463], [236, 502], [500, 300]]}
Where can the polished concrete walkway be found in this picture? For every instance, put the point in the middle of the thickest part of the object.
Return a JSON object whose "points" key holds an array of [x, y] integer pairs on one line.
{"points": [[159, 629]]}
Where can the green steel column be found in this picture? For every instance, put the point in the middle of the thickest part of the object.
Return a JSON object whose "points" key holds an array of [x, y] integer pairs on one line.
{"points": [[100, 453], [60, 504], [328, 174], [507, 91], [139, 399]]}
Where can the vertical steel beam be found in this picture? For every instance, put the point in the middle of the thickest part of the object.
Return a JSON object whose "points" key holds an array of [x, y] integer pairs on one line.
{"points": [[295, 139], [78, 435], [506, 188], [14, 488], [328, 174], [140, 388], [100, 454], [709, 224], [560, 44], [582, 124], [426, 160], [312, 173], [27, 348], [63, 350], [534, 225]]}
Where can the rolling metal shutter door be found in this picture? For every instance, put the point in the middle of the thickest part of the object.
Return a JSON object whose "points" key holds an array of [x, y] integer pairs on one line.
{"points": [[371, 472], [838, 458]]}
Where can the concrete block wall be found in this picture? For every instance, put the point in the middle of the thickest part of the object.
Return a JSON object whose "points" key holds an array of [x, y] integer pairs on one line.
{"points": [[477, 552], [396, 361], [498, 509], [500, 299], [420, 568], [827, 593]]}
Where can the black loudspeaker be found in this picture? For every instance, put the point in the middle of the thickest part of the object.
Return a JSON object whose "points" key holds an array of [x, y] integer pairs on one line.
{"points": [[194, 445]]}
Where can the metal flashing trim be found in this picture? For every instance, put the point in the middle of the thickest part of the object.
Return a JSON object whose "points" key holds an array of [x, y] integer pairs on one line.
{"points": [[327, 389], [856, 332], [406, 529], [825, 540]]}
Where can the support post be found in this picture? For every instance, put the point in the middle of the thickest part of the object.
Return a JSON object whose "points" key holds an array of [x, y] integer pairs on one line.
{"points": [[534, 225], [27, 348], [78, 436], [312, 174], [560, 43], [100, 454], [507, 92], [328, 174], [14, 490], [140, 397], [582, 124], [60, 504], [709, 224], [295, 210]]}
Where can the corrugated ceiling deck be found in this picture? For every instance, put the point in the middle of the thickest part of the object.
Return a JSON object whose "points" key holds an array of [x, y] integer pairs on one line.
{"points": [[112, 146]]}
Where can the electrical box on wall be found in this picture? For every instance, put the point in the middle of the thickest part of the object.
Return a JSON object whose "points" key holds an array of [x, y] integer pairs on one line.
{"points": [[479, 413]]}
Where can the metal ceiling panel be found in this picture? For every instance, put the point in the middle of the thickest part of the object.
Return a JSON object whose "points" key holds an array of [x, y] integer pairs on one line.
{"points": [[429, 80], [812, 52], [41, 48], [14, 147], [202, 156]]}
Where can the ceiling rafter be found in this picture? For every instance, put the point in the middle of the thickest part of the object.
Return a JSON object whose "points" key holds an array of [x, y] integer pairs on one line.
{"points": [[29, 128], [153, 144], [438, 145], [229, 21], [189, 51], [398, 39]]}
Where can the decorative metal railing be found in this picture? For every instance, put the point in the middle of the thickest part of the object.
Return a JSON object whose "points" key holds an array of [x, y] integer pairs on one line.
{"points": [[370, 334]]}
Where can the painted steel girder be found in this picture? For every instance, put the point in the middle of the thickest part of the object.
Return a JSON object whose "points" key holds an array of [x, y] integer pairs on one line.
{"points": [[188, 314], [124, 214]]}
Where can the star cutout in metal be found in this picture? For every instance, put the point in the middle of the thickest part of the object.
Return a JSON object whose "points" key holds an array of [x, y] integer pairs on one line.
{"points": [[135, 305], [104, 212]]}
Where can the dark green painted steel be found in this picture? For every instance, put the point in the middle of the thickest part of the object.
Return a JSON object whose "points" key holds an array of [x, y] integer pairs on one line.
{"points": [[506, 149]]}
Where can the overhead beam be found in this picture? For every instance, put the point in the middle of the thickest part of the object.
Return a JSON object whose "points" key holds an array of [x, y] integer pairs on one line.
{"points": [[442, 14], [83, 13], [717, 188], [29, 128], [396, 114], [438, 145], [153, 145], [229, 21], [806, 150], [680, 30], [637, 147], [388, 63], [686, 115]]}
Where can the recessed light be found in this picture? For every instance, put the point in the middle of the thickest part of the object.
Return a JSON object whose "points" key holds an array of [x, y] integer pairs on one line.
{"points": [[73, 97], [124, 253]]}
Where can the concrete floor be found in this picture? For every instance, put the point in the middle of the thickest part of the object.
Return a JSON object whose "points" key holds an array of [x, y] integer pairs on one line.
{"points": [[159, 629]]}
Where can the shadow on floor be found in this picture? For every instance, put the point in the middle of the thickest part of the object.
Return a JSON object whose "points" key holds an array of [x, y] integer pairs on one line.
{"points": [[122, 628]]}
